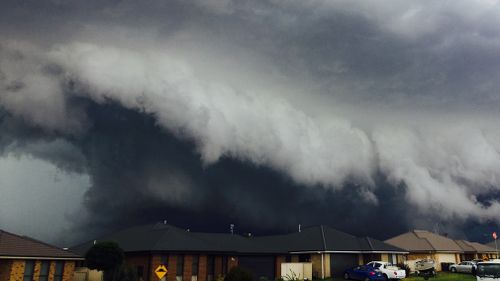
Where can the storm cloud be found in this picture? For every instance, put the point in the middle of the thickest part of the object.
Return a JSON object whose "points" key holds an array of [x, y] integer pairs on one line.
{"points": [[270, 113]]}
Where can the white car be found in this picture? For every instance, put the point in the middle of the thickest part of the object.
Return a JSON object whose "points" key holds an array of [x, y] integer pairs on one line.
{"points": [[465, 266], [389, 271], [488, 271]]}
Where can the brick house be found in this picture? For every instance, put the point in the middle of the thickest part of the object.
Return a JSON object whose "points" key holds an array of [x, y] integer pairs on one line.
{"points": [[195, 256], [422, 244], [24, 258]]}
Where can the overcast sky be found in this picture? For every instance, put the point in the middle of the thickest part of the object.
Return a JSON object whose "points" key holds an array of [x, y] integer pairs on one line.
{"points": [[265, 113]]}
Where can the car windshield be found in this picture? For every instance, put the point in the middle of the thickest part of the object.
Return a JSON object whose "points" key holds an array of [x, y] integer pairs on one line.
{"points": [[488, 270]]}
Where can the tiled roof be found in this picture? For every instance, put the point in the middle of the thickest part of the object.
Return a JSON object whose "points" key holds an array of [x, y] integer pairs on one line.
{"points": [[481, 248], [438, 242], [164, 237], [411, 242], [12, 245], [466, 247]]}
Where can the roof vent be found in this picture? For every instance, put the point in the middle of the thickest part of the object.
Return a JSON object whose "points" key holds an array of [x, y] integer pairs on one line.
{"points": [[231, 228], [164, 221], [300, 228], [95, 241]]}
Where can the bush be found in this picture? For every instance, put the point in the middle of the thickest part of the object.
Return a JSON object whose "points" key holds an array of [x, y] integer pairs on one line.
{"points": [[406, 268], [238, 273]]}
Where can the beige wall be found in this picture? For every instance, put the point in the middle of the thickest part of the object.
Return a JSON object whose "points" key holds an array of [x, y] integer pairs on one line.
{"points": [[385, 257]]}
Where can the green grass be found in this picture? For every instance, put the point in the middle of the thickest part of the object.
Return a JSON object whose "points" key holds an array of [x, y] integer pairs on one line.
{"points": [[442, 276], [445, 276]]}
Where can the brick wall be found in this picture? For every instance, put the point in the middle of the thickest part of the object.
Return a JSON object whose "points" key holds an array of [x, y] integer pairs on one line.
{"points": [[278, 262], [52, 270], [188, 268], [17, 270], [172, 267], [143, 261], [218, 266], [69, 270], [202, 268], [36, 273]]}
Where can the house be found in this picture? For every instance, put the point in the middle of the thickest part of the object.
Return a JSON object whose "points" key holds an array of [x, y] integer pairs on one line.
{"points": [[24, 258], [422, 244], [196, 256], [483, 251], [495, 245]]}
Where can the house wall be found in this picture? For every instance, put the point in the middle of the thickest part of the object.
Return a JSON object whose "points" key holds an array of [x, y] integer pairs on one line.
{"points": [[156, 260], [385, 257], [5, 267], [13, 270], [316, 266], [444, 257]]}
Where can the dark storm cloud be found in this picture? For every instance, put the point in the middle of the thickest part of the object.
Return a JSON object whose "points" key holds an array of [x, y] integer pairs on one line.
{"points": [[262, 112]]}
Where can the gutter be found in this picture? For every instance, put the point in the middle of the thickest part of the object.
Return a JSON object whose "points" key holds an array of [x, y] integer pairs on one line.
{"points": [[349, 252], [40, 258]]}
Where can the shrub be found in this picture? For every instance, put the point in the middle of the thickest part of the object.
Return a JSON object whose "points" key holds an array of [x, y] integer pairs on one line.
{"points": [[238, 273], [406, 268]]}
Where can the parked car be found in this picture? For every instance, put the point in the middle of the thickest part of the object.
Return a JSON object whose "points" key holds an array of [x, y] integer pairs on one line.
{"points": [[363, 272], [389, 271], [464, 267], [488, 271]]}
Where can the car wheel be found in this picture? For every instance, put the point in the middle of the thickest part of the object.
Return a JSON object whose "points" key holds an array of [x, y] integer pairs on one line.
{"points": [[346, 276], [386, 278], [454, 270]]}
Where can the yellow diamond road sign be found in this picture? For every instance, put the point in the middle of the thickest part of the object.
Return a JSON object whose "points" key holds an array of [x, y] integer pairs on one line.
{"points": [[161, 271]]}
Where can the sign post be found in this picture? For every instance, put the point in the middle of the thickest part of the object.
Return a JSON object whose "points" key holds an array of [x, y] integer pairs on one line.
{"points": [[161, 271], [496, 246]]}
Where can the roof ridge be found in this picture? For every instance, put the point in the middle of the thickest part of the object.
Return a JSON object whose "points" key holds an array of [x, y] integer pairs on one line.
{"points": [[424, 239], [369, 242], [323, 237]]}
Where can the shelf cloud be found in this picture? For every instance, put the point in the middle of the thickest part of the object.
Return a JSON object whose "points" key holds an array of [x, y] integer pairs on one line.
{"points": [[274, 111]]}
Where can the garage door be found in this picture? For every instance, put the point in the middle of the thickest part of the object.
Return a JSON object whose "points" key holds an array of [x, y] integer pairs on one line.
{"points": [[260, 266], [341, 262]]}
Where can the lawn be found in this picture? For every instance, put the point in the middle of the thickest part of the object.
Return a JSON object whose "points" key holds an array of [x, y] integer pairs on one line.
{"points": [[442, 276], [445, 276]]}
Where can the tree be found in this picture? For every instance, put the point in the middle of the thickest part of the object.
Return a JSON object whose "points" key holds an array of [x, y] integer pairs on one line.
{"points": [[238, 273], [106, 256]]}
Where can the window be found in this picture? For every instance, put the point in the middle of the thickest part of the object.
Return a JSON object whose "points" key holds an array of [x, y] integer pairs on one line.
{"points": [[210, 268], [44, 271], [305, 258], [164, 260], [194, 275], [180, 267], [394, 259], [58, 273], [224, 264], [29, 269], [140, 272]]}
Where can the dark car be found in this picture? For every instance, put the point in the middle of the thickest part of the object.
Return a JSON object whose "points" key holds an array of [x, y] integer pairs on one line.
{"points": [[363, 272]]}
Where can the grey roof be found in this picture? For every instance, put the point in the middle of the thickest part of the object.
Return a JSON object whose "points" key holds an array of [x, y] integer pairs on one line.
{"points": [[426, 241], [481, 248], [164, 237], [466, 247]]}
